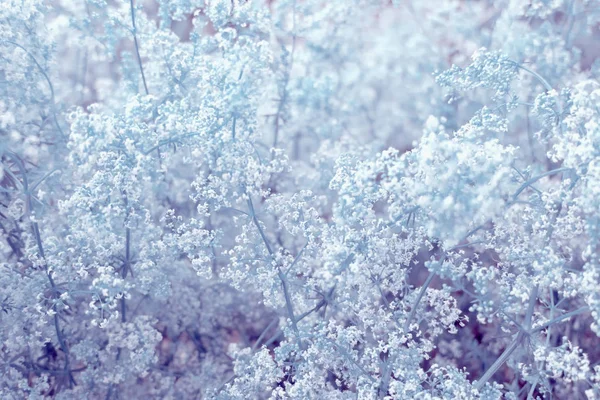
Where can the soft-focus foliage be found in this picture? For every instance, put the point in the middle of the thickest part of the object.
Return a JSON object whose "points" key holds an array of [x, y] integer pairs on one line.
{"points": [[299, 199]]}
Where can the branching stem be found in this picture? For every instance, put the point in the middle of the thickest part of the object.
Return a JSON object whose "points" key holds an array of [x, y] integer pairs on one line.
{"points": [[514, 344], [500, 361], [38, 239], [286, 292], [418, 300], [560, 319], [537, 178]]}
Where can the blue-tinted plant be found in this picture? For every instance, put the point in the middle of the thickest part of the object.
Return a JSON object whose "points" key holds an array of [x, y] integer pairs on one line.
{"points": [[300, 199]]}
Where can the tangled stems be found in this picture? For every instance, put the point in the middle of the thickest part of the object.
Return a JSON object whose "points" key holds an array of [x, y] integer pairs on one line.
{"points": [[522, 335]]}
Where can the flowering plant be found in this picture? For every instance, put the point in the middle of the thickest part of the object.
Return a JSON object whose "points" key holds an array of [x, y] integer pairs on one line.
{"points": [[299, 199]]}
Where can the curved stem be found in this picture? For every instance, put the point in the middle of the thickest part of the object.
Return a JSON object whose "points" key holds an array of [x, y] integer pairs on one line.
{"points": [[540, 78], [53, 101], [544, 83], [537, 178]]}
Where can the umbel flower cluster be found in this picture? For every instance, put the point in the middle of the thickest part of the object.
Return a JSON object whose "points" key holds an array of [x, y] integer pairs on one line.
{"points": [[299, 199]]}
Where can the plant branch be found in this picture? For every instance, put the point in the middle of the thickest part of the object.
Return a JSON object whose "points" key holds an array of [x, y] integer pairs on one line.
{"points": [[38, 239], [560, 318], [418, 300], [52, 97], [137, 48], [500, 361], [286, 292], [537, 178]]}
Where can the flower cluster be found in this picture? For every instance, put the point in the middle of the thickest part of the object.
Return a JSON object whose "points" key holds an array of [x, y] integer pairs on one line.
{"points": [[285, 199]]}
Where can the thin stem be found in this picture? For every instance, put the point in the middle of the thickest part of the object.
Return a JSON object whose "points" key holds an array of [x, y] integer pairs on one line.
{"points": [[273, 338], [570, 25], [419, 297], [343, 352], [263, 334], [500, 361], [514, 345], [537, 178], [560, 318], [126, 265], [532, 301], [38, 239], [289, 305], [43, 179], [180, 137], [540, 78], [137, 48], [286, 292], [460, 246], [124, 269], [127, 245], [532, 389], [53, 106], [319, 305], [257, 224], [168, 141], [123, 310], [296, 259], [286, 80], [233, 129], [57, 328], [544, 83]]}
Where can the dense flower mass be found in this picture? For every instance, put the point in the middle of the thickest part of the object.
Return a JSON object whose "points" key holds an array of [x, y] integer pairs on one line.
{"points": [[299, 199]]}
